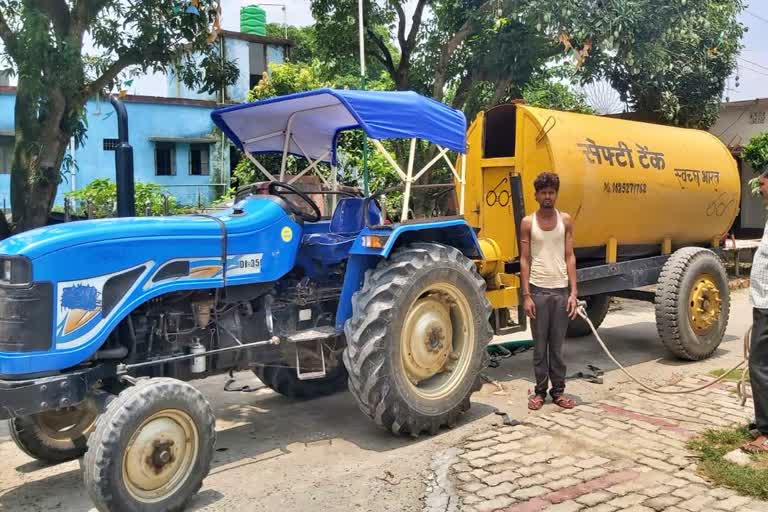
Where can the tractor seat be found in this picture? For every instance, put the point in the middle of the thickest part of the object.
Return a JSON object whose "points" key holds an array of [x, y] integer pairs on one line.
{"points": [[346, 224]]}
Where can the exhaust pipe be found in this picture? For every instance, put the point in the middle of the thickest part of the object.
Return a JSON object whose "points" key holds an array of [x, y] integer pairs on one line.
{"points": [[126, 199]]}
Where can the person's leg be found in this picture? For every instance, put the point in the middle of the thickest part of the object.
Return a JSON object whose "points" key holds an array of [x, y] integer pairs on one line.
{"points": [[558, 326], [758, 368], [540, 332]]}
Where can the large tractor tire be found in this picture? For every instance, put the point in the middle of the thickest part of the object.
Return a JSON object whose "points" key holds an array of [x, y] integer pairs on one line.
{"points": [[597, 309], [416, 342], [692, 303], [151, 449], [283, 380], [55, 436]]}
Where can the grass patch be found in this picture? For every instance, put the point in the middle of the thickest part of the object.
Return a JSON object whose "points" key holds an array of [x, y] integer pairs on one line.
{"points": [[713, 445], [734, 375]]}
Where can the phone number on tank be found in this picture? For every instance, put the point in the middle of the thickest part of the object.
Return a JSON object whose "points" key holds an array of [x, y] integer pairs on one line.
{"points": [[625, 188]]}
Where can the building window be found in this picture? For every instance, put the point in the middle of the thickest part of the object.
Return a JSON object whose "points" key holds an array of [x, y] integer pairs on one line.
{"points": [[198, 159], [6, 154], [110, 144], [165, 159]]}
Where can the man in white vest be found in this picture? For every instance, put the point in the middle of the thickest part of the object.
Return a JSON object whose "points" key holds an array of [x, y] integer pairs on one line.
{"points": [[758, 354], [548, 274]]}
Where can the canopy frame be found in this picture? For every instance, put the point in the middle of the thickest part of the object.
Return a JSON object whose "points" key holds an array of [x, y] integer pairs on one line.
{"points": [[314, 156]]}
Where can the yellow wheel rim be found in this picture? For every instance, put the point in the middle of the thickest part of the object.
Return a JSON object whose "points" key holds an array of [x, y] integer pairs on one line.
{"points": [[704, 304], [160, 455], [437, 341]]}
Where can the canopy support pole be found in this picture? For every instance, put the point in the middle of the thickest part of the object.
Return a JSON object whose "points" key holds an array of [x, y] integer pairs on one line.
{"points": [[287, 145], [260, 167], [463, 183], [408, 181], [312, 165], [334, 187], [389, 158]]}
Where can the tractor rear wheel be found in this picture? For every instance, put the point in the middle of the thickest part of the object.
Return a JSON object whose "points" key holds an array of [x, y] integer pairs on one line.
{"points": [[597, 310], [417, 339], [283, 380], [692, 303], [55, 436], [151, 449]]}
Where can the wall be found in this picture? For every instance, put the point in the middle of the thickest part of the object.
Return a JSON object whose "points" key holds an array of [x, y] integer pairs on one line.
{"points": [[7, 103], [145, 120]]}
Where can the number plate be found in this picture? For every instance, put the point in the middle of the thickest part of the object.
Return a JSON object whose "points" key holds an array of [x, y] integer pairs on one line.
{"points": [[247, 264]]}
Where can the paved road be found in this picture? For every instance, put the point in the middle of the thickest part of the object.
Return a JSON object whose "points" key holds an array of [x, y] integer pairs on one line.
{"points": [[275, 454], [624, 453]]}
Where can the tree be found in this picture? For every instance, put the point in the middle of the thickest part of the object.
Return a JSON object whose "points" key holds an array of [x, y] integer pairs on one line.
{"points": [[755, 153], [45, 43], [385, 21], [669, 60], [304, 47], [545, 92]]}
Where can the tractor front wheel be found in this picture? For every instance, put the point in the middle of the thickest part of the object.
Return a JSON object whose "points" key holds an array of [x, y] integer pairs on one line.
{"points": [[417, 339], [55, 436], [151, 449]]}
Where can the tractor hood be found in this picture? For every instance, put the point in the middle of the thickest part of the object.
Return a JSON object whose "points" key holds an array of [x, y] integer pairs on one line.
{"points": [[250, 215]]}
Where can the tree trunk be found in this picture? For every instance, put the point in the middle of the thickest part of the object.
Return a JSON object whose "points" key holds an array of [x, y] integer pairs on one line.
{"points": [[41, 143]]}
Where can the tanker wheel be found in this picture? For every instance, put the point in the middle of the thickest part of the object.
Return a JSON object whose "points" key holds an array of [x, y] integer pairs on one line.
{"points": [[55, 436], [151, 449], [417, 339], [283, 380], [597, 309], [692, 303]]}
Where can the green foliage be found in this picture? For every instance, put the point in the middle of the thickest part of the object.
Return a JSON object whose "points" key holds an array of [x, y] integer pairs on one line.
{"points": [[713, 445], [99, 198], [755, 153], [547, 93], [668, 60], [304, 47]]}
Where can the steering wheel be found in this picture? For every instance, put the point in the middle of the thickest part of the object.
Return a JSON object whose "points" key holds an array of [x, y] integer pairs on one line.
{"points": [[274, 186]]}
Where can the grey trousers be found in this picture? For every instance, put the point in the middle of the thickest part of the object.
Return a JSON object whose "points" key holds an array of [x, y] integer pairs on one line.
{"points": [[548, 329], [758, 367]]}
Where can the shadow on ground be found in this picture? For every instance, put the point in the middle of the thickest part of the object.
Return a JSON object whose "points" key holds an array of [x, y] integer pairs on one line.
{"points": [[251, 428]]}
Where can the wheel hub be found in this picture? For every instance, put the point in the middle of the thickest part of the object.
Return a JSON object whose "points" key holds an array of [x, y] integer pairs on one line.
{"points": [[160, 455], [68, 423], [428, 333], [704, 305]]}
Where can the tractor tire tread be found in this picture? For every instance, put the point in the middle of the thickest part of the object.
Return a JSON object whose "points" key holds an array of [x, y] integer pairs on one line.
{"points": [[668, 297], [365, 357], [104, 444]]}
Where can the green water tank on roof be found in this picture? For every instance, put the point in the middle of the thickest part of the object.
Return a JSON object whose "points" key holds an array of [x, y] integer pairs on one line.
{"points": [[253, 20]]}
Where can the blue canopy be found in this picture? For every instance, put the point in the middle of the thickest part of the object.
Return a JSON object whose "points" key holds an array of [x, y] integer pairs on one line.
{"points": [[315, 119]]}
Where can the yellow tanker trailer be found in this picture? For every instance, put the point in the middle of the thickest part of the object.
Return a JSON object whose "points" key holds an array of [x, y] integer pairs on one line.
{"points": [[647, 202]]}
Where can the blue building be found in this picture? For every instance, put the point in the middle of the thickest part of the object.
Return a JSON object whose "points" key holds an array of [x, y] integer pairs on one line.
{"points": [[173, 137]]}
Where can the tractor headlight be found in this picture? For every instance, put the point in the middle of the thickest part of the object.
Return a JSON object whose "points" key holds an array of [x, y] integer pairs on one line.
{"points": [[15, 270]]}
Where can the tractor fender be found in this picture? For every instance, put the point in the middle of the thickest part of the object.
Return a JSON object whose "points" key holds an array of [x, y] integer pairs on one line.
{"points": [[452, 232]]}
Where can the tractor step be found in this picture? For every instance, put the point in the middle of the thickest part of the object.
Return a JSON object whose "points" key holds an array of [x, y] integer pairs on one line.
{"points": [[312, 339], [315, 334]]}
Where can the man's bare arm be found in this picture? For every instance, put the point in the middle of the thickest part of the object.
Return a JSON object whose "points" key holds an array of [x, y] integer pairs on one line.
{"points": [[525, 255], [570, 255]]}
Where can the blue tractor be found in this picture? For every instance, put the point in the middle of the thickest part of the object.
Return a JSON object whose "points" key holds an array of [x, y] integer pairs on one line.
{"points": [[103, 322]]}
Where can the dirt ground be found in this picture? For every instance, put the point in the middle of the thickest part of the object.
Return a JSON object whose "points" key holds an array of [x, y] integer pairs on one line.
{"points": [[276, 454]]}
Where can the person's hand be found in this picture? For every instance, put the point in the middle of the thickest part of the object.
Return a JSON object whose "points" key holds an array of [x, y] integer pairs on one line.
{"points": [[573, 307], [529, 307]]}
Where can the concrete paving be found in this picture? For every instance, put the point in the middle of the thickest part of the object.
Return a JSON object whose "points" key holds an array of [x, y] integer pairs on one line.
{"points": [[624, 453], [277, 454]]}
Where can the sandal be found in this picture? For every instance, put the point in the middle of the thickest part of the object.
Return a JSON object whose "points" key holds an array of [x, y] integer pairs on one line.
{"points": [[536, 402], [564, 402], [759, 445]]}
